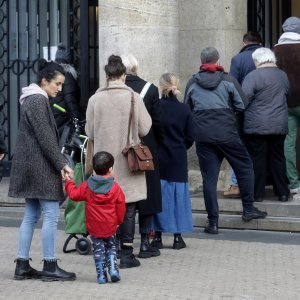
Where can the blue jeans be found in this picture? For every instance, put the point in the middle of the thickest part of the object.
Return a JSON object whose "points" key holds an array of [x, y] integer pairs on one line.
{"points": [[234, 181], [33, 210]]}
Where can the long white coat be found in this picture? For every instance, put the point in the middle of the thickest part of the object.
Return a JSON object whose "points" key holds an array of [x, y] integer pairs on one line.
{"points": [[107, 119]]}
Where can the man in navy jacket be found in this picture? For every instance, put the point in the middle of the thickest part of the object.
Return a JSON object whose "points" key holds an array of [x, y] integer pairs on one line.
{"points": [[213, 97], [241, 65]]}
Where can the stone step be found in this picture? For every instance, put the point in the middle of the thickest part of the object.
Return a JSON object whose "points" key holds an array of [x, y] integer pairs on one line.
{"points": [[236, 222], [274, 207], [282, 216]]}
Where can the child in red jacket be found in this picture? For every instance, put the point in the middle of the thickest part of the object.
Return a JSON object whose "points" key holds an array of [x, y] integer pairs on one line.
{"points": [[105, 210]]}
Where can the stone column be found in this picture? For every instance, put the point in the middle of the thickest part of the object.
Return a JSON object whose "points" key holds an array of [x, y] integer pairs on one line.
{"points": [[146, 29]]}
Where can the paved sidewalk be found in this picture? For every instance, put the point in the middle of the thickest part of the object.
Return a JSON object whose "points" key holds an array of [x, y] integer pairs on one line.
{"points": [[211, 267]]}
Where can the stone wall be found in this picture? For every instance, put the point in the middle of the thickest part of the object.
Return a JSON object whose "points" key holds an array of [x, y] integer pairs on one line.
{"points": [[167, 36], [146, 29]]}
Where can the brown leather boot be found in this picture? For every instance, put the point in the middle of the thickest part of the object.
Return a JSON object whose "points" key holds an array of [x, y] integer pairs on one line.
{"points": [[232, 192]]}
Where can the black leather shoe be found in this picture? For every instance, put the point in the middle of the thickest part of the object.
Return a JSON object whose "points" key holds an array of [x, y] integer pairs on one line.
{"points": [[146, 250], [211, 228], [283, 198], [52, 272], [254, 213], [157, 242], [259, 199], [25, 271], [178, 242], [128, 261]]}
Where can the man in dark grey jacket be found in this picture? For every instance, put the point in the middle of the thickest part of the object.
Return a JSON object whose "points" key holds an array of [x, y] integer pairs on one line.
{"points": [[214, 96]]}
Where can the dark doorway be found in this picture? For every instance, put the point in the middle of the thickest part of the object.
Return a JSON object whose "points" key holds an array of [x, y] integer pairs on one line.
{"points": [[266, 17]]}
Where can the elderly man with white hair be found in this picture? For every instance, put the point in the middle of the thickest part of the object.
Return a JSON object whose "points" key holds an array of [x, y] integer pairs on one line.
{"points": [[266, 123]]}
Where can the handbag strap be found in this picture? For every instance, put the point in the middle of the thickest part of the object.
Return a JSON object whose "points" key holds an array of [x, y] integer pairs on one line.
{"points": [[131, 115], [145, 90]]}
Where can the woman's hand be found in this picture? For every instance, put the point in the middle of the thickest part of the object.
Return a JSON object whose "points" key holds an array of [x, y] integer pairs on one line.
{"points": [[2, 156], [67, 173]]}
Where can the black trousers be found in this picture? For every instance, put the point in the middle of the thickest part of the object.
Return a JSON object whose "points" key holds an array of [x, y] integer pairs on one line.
{"points": [[267, 153], [127, 228], [210, 159]]}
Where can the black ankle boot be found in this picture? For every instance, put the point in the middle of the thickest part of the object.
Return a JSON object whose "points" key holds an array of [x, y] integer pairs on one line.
{"points": [[178, 242], [52, 272], [146, 250], [211, 227], [157, 240], [127, 259], [24, 271]]}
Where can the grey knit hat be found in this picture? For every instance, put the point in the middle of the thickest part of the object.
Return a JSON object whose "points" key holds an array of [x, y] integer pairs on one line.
{"points": [[291, 24], [62, 54]]}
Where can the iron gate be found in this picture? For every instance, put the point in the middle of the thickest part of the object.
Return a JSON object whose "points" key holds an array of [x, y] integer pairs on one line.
{"points": [[29, 30], [266, 17]]}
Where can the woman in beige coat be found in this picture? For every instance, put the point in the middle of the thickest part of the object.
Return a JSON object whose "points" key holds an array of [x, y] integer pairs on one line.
{"points": [[107, 119]]}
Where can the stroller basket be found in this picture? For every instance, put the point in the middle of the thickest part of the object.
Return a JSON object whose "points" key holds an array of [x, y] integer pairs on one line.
{"points": [[75, 219]]}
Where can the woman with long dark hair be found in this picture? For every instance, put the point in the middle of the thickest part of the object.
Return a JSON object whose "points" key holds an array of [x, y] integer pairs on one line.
{"points": [[37, 171]]}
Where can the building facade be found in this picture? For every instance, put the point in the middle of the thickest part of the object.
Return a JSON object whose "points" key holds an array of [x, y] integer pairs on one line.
{"points": [[164, 36]]}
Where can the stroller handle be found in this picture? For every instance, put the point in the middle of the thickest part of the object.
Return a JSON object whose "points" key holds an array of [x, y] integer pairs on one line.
{"points": [[59, 108]]}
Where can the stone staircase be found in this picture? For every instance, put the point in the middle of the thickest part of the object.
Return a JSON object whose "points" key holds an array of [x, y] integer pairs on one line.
{"points": [[282, 216]]}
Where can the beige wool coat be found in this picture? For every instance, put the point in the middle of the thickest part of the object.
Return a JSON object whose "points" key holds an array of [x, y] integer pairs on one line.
{"points": [[107, 119]]}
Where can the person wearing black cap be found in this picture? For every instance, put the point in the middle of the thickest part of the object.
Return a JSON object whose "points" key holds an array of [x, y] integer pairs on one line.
{"points": [[287, 53], [70, 95]]}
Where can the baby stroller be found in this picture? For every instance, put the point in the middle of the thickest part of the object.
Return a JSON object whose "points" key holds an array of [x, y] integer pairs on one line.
{"points": [[73, 144]]}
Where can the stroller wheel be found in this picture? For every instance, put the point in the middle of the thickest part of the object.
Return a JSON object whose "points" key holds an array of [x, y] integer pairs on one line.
{"points": [[83, 246]]}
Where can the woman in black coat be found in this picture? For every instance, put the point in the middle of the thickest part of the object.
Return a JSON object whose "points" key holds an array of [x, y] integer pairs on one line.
{"points": [[153, 139], [176, 215]]}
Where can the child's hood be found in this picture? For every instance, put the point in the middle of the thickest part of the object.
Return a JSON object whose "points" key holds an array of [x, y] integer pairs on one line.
{"points": [[100, 185]]}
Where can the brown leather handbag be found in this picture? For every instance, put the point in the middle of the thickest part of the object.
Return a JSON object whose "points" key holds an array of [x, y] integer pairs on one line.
{"points": [[138, 155]]}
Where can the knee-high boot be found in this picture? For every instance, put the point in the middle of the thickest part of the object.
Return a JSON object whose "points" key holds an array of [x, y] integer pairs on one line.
{"points": [[101, 271], [113, 269]]}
